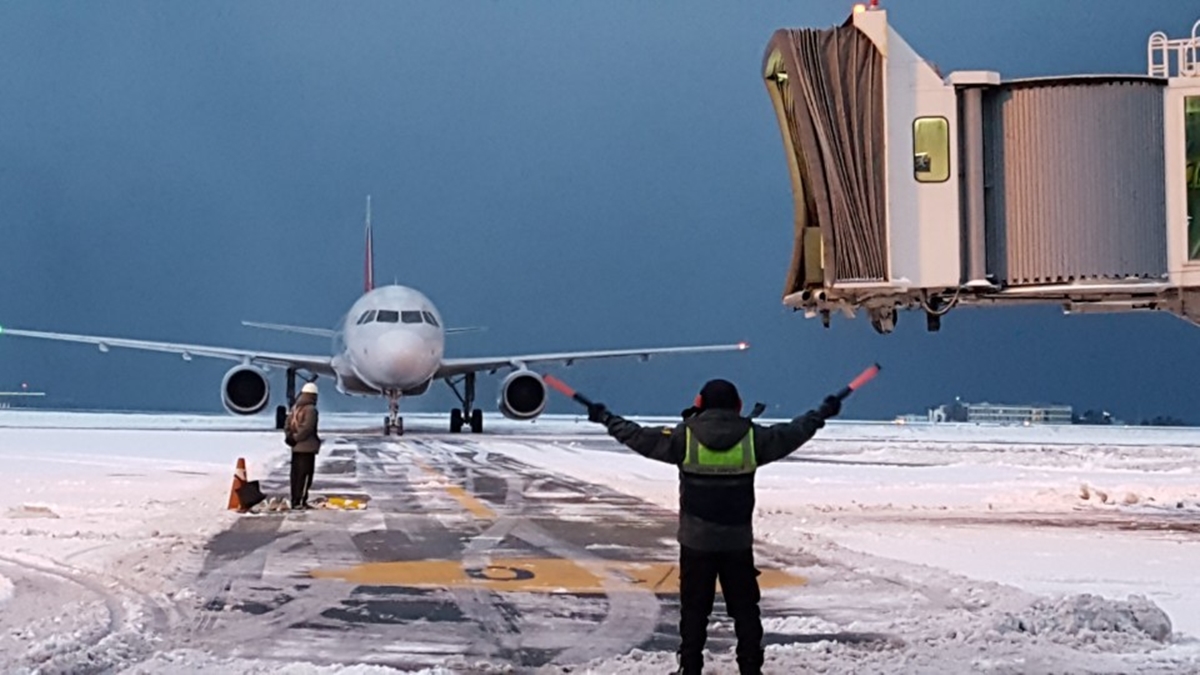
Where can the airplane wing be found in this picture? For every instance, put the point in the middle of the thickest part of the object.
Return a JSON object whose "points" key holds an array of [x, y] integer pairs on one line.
{"points": [[319, 365], [454, 367], [284, 328]]}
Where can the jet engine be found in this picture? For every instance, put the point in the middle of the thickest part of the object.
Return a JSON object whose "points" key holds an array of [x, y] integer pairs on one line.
{"points": [[522, 395], [245, 390]]}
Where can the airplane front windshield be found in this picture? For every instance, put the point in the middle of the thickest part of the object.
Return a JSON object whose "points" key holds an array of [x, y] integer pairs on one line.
{"points": [[388, 316], [410, 317], [429, 318]]}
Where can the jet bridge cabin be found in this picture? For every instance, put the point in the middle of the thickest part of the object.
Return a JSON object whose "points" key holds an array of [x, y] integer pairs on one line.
{"points": [[918, 190]]}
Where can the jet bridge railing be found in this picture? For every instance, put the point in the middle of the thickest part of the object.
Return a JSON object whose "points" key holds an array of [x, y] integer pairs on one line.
{"points": [[1184, 54]]}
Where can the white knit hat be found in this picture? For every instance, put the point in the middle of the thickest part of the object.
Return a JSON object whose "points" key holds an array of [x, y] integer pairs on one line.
{"points": [[309, 388]]}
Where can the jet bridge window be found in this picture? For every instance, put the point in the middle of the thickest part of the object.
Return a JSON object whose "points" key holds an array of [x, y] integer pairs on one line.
{"points": [[410, 317], [931, 149], [388, 316], [429, 318], [1191, 129]]}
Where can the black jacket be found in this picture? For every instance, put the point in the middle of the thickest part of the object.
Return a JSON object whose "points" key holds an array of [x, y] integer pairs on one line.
{"points": [[716, 512]]}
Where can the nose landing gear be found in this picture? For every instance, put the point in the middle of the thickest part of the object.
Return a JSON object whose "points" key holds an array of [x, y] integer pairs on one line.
{"points": [[393, 422]]}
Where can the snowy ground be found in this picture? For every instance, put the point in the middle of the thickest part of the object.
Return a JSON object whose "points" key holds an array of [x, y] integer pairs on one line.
{"points": [[1062, 512], [974, 549]]}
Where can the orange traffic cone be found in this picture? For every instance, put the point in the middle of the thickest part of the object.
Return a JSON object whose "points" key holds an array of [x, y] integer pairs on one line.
{"points": [[239, 479]]}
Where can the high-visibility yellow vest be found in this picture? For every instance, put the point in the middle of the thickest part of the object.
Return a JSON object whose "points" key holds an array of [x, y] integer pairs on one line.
{"points": [[738, 460]]}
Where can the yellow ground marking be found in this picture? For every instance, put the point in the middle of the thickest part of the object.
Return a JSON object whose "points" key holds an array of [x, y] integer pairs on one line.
{"points": [[470, 503], [338, 502], [532, 575], [465, 499]]}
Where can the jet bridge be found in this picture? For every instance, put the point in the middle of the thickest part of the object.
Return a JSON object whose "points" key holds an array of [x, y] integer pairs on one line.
{"points": [[923, 191]]}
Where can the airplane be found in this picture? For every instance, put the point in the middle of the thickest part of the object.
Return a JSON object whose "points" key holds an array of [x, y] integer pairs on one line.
{"points": [[391, 343]]}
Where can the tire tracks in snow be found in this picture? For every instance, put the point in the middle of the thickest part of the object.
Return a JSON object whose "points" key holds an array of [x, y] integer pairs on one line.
{"points": [[119, 641]]}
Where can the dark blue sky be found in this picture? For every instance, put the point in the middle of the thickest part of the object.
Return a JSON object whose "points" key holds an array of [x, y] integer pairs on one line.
{"points": [[571, 175]]}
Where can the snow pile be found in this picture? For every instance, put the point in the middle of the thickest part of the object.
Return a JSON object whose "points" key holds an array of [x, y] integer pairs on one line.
{"points": [[6, 589], [1178, 497], [798, 625], [30, 511], [1091, 620], [635, 662]]}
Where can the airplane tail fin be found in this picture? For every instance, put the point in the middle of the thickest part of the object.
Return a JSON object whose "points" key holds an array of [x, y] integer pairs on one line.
{"points": [[369, 262]]}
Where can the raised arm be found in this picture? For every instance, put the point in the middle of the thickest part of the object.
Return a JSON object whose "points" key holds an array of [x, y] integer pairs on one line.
{"points": [[780, 440], [665, 444]]}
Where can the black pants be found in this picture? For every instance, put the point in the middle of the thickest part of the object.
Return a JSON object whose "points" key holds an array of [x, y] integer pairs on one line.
{"points": [[698, 575], [304, 464]]}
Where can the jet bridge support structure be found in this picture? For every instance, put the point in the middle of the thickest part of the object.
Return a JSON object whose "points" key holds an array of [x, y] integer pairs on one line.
{"points": [[915, 190]]}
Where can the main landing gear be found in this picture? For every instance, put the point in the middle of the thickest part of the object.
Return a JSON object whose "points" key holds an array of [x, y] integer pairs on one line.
{"points": [[468, 413], [281, 412], [393, 422]]}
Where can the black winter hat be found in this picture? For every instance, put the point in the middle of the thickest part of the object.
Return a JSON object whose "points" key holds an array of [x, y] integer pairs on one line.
{"points": [[719, 394]]}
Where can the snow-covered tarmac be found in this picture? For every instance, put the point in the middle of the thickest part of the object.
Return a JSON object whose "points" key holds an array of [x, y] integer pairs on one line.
{"points": [[972, 549]]}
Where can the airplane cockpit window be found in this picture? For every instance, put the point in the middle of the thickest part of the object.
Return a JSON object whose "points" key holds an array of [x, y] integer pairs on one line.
{"points": [[410, 317], [429, 318], [388, 316], [365, 317]]}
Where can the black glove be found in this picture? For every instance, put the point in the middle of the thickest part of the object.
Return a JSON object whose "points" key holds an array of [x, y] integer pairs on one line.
{"points": [[830, 407], [689, 412], [598, 412]]}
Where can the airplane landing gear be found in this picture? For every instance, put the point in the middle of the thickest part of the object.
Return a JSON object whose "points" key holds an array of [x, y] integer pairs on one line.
{"points": [[281, 412], [393, 422], [468, 414]]}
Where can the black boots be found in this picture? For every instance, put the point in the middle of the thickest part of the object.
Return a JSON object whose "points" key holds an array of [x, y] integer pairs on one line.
{"points": [[689, 665], [750, 664]]}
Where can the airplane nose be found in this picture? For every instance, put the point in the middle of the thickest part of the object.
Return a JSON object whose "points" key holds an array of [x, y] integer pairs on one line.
{"points": [[403, 359]]}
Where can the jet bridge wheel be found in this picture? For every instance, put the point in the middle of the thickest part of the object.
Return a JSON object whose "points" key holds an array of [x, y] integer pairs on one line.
{"points": [[883, 320], [456, 421], [477, 421]]}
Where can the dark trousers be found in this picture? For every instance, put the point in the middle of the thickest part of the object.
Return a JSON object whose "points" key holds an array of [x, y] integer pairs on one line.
{"points": [[698, 575], [304, 464]]}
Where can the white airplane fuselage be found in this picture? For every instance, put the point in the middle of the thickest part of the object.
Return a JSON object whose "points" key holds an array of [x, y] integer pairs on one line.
{"points": [[390, 342]]}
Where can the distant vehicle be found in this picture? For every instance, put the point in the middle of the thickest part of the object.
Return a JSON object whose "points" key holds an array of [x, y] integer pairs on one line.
{"points": [[390, 344]]}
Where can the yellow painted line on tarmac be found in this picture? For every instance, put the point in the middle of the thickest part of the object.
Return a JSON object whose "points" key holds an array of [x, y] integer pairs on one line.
{"points": [[470, 502], [465, 499], [532, 575]]}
